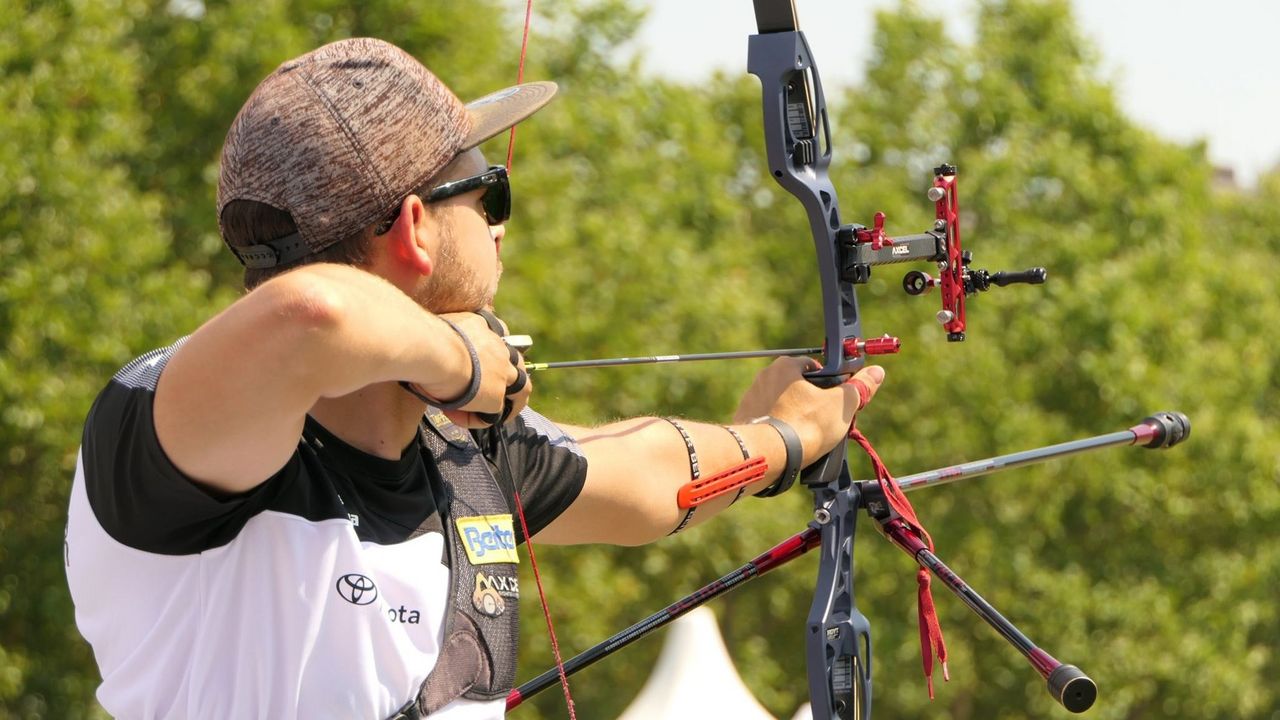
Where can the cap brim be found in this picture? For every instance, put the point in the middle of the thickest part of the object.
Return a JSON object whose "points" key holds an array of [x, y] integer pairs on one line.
{"points": [[498, 111]]}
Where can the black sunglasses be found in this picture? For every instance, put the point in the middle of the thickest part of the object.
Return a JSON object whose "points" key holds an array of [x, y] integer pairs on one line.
{"points": [[496, 199]]}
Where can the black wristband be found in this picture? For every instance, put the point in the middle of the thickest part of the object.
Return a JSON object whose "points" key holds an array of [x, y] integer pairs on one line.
{"points": [[472, 389], [795, 456], [694, 470]]}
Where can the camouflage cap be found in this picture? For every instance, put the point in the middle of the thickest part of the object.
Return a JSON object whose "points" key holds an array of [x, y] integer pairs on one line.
{"points": [[339, 136]]}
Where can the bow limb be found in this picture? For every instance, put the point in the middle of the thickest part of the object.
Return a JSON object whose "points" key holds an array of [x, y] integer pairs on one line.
{"points": [[798, 144]]}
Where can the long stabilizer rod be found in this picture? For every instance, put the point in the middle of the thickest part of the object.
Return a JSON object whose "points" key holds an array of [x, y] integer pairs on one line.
{"points": [[1068, 685], [1160, 430]]}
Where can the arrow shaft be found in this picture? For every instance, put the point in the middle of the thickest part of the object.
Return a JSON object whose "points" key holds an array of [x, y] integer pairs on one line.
{"points": [[652, 359]]}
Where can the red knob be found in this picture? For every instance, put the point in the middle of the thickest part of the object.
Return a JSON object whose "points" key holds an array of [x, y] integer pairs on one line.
{"points": [[875, 235], [886, 345]]}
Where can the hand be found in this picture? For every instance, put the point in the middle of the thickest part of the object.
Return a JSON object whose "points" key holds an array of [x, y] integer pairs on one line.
{"points": [[820, 416], [501, 367]]}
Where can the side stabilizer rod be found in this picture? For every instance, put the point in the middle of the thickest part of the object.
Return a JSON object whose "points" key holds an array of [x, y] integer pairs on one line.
{"points": [[1067, 684], [780, 554]]}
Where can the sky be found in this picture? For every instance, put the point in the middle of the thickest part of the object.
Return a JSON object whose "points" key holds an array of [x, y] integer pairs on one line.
{"points": [[1186, 69]]}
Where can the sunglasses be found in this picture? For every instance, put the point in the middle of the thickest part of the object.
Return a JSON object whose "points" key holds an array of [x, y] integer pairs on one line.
{"points": [[496, 199]]}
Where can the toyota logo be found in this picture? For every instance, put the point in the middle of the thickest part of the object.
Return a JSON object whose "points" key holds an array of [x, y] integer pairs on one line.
{"points": [[357, 589]]}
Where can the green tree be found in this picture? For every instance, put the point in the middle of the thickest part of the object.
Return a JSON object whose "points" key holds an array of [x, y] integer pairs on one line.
{"points": [[86, 281], [1120, 545], [646, 223]]}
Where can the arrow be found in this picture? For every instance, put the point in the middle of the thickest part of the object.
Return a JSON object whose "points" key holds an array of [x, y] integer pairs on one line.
{"points": [[650, 359]]}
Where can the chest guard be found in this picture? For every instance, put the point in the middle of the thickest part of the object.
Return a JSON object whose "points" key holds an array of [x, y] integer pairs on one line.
{"points": [[482, 622]]}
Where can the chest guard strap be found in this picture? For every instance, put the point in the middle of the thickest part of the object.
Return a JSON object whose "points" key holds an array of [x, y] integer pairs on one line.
{"points": [[482, 622]]}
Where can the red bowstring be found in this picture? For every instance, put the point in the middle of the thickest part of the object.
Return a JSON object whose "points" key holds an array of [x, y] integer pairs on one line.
{"points": [[524, 525], [524, 47], [931, 640], [546, 612]]}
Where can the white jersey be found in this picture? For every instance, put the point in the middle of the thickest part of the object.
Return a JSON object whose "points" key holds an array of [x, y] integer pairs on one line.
{"points": [[319, 594]]}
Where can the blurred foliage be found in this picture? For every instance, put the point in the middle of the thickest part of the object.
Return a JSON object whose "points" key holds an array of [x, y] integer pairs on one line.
{"points": [[645, 224]]}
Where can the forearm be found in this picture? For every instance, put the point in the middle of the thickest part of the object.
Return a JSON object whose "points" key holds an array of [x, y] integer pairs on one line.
{"points": [[231, 402], [366, 331], [636, 467]]}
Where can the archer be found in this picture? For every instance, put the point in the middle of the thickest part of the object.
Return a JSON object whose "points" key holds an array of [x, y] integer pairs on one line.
{"points": [[282, 514]]}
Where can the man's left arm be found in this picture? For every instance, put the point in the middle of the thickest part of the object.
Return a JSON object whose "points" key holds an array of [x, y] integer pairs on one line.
{"points": [[635, 467]]}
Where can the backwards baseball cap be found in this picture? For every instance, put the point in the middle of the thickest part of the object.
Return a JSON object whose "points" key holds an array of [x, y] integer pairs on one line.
{"points": [[339, 136]]}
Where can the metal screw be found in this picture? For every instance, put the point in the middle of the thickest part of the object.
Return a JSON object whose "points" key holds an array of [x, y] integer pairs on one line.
{"points": [[935, 193], [822, 515]]}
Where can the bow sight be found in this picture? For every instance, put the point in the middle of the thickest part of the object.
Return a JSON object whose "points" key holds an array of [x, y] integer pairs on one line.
{"points": [[860, 248]]}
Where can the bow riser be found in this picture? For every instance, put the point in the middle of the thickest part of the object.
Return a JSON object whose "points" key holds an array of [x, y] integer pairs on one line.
{"points": [[798, 148], [838, 639]]}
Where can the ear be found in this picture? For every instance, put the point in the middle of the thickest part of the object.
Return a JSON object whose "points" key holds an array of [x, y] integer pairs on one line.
{"points": [[408, 239]]}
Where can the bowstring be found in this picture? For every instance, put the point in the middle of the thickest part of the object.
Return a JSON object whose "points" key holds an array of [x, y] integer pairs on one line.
{"points": [[502, 438], [524, 48], [537, 576]]}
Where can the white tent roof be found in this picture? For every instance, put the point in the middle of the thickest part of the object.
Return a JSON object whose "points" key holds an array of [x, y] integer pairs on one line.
{"points": [[694, 678]]}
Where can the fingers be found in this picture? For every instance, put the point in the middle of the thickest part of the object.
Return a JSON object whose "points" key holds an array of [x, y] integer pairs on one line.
{"points": [[821, 416], [519, 398], [867, 382], [505, 386], [768, 385]]}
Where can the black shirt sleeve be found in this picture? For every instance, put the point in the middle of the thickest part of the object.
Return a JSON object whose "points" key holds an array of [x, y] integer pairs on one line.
{"points": [[542, 462], [139, 497]]}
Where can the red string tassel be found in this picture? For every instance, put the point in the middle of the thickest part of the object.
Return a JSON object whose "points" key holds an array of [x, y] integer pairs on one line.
{"points": [[931, 641]]}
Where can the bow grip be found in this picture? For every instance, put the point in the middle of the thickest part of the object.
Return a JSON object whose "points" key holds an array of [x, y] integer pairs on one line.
{"points": [[826, 381], [849, 359], [828, 466]]}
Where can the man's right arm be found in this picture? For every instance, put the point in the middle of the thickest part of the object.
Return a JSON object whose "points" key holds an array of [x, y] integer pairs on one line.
{"points": [[230, 404]]}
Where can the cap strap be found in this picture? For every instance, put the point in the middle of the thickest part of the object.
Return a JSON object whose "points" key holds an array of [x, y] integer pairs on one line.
{"points": [[271, 253]]}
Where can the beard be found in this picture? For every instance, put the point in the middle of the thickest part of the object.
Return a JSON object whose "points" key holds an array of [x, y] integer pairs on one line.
{"points": [[453, 286]]}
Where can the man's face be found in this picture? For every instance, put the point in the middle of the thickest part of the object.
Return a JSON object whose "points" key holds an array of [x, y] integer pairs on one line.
{"points": [[467, 265]]}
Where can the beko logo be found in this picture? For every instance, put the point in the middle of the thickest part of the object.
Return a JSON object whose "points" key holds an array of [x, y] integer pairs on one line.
{"points": [[357, 589]]}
